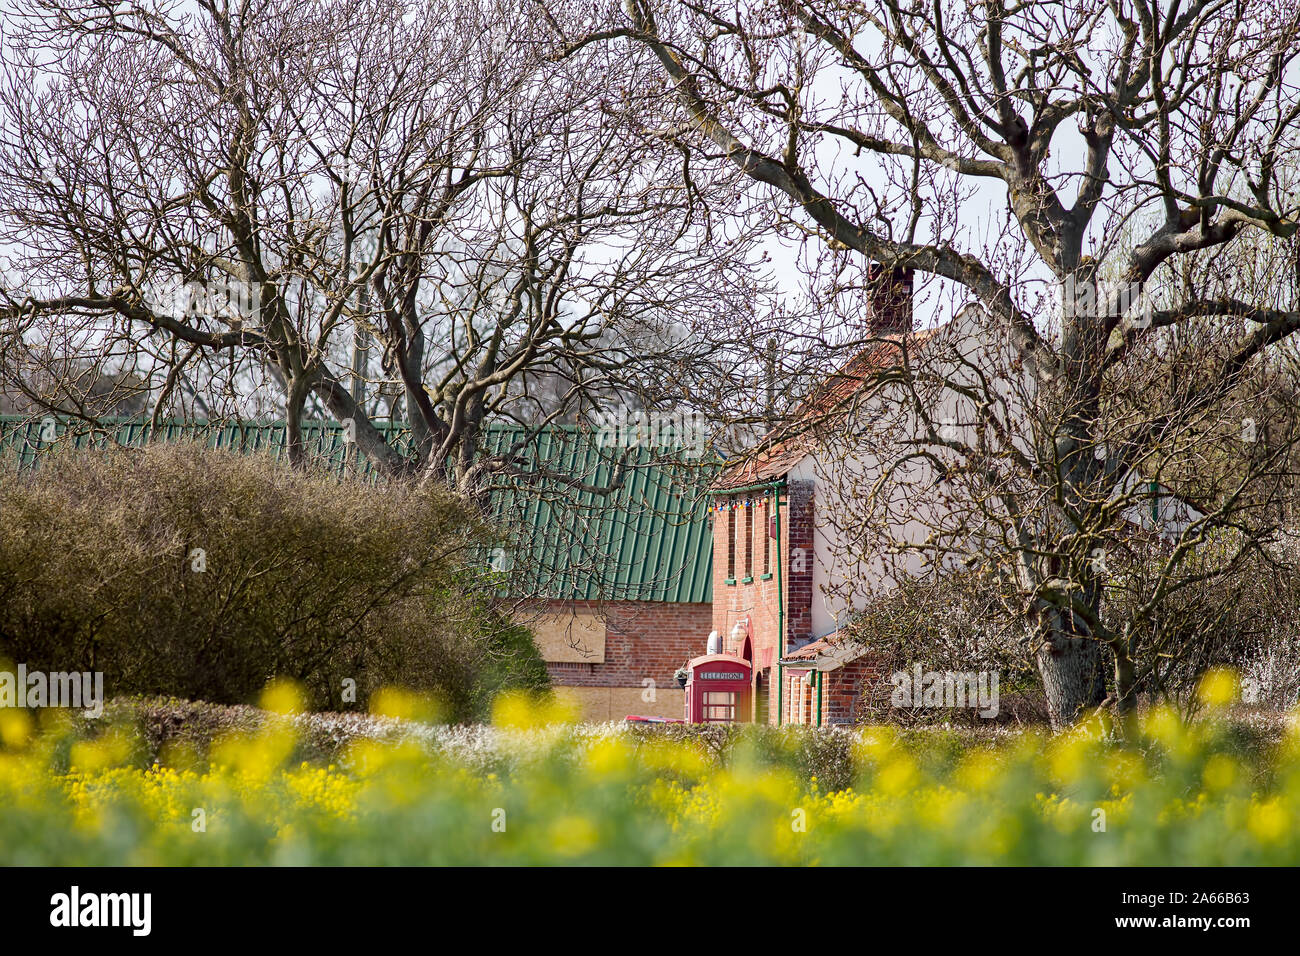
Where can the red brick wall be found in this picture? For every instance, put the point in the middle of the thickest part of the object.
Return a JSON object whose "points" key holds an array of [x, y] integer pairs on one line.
{"points": [[642, 639], [757, 600], [841, 693], [799, 548]]}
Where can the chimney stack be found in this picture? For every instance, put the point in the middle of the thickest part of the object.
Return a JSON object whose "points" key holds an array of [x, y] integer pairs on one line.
{"points": [[889, 297]]}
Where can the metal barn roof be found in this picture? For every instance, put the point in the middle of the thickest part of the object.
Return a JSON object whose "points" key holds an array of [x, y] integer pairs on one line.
{"points": [[587, 523]]}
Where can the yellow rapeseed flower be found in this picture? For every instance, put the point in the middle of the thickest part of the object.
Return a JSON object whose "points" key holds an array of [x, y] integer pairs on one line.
{"points": [[1220, 773], [898, 775], [977, 771], [1163, 725], [1269, 821], [282, 696], [518, 710], [609, 758], [1219, 687], [572, 835], [15, 728]]}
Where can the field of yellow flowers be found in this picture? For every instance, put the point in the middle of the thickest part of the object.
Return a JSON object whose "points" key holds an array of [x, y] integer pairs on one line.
{"points": [[1174, 793]]}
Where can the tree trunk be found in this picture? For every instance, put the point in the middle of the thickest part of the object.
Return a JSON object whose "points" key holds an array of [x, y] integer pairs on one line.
{"points": [[370, 440], [295, 399], [1126, 692], [1072, 670]]}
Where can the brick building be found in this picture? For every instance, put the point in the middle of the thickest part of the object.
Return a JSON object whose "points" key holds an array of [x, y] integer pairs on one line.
{"points": [[765, 546], [625, 560], [616, 658], [781, 588], [763, 597]]}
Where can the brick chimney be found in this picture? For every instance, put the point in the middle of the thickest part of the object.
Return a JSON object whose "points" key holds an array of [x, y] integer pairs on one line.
{"points": [[889, 297]]}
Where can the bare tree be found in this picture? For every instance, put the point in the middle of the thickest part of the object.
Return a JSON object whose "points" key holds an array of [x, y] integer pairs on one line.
{"points": [[1008, 153], [227, 197], [935, 470]]}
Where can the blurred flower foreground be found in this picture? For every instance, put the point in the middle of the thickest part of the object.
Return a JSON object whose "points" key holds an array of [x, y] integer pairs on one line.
{"points": [[535, 788]]}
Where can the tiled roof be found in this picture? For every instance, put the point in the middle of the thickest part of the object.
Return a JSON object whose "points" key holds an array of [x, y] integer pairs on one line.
{"points": [[810, 650], [783, 447], [765, 464], [826, 653]]}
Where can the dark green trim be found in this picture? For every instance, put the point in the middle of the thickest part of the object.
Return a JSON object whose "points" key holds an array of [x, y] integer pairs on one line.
{"points": [[780, 692], [719, 492]]}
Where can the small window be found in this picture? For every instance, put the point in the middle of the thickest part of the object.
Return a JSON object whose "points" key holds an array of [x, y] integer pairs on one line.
{"points": [[731, 543], [749, 542], [767, 536]]}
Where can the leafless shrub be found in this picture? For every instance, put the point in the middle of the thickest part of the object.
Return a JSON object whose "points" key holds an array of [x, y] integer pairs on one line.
{"points": [[186, 571]]}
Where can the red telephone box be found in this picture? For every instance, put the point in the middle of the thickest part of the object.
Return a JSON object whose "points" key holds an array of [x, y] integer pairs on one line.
{"points": [[717, 689]]}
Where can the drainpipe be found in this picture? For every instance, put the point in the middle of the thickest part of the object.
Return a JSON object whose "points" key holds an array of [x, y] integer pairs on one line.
{"points": [[819, 679], [780, 613]]}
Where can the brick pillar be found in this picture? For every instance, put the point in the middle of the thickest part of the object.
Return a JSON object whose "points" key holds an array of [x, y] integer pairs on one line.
{"points": [[799, 559]]}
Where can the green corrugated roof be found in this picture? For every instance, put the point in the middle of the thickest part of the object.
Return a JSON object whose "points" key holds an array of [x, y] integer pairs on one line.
{"points": [[324, 440], [646, 539]]}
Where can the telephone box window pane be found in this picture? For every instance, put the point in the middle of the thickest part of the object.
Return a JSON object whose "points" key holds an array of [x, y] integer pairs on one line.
{"points": [[719, 707]]}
